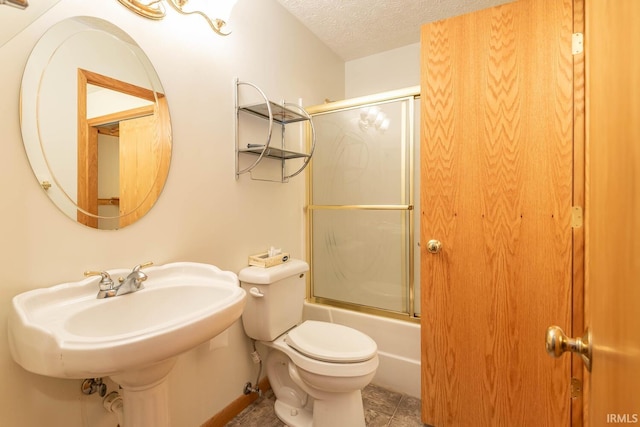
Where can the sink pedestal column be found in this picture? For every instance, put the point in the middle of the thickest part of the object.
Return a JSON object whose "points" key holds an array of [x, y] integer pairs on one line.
{"points": [[145, 395]]}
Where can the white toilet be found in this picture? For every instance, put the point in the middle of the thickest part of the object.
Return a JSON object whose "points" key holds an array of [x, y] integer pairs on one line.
{"points": [[316, 369]]}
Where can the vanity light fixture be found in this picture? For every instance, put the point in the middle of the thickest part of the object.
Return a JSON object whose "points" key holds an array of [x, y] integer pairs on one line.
{"points": [[154, 9], [21, 4]]}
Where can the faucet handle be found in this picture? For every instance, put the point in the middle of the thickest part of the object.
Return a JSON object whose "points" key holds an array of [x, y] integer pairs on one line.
{"points": [[139, 276], [140, 266], [106, 282]]}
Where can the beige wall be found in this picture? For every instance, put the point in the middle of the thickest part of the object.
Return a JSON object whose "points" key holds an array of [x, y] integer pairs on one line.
{"points": [[382, 72], [203, 215]]}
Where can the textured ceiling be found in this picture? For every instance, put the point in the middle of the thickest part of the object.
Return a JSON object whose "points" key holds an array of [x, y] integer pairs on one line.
{"points": [[357, 28], [351, 28]]}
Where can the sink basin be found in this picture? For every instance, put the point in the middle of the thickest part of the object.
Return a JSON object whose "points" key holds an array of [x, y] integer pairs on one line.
{"points": [[65, 332]]}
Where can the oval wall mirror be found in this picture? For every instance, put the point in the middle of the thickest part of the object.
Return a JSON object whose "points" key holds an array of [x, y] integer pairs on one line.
{"points": [[95, 123]]}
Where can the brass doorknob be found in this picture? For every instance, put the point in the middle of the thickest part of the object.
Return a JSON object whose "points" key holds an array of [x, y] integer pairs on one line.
{"points": [[557, 343], [434, 246]]}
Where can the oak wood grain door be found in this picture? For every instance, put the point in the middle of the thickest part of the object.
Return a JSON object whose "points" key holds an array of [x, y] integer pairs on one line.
{"points": [[497, 151], [613, 210], [139, 164], [145, 156]]}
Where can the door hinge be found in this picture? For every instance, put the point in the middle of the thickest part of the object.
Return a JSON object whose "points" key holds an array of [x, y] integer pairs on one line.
{"points": [[576, 388], [576, 216], [577, 43]]}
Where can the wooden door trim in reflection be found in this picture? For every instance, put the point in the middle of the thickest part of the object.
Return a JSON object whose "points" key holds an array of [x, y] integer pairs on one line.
{"points": [[88, 138]]}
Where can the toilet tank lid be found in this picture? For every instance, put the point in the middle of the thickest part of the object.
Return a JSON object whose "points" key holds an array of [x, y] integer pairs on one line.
{"points": [[268, 275]]}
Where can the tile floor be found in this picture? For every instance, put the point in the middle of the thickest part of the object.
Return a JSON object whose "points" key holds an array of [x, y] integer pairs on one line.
{"points": [[381, 407]]}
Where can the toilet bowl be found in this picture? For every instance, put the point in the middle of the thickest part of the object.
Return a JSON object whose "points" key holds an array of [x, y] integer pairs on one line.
{"points": [[316, 369], [328, 363]]}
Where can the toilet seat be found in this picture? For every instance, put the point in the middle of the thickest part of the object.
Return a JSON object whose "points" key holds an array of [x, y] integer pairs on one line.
{"points": [[321, 367], [330, 342]]}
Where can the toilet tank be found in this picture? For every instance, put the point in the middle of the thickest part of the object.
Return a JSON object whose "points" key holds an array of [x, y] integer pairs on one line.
{"points": [[275, 298]]}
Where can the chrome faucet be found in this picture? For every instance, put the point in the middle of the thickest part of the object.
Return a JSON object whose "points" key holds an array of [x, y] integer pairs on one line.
{"points": [[133, 282], [107, 289], [126, 285]]}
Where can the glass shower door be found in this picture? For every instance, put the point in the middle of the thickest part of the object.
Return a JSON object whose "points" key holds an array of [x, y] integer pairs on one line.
{"points": [[361, 207]]}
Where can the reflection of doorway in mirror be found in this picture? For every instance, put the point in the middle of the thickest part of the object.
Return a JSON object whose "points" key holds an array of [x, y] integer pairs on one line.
{"points": [[108, 177], [113, 193]]}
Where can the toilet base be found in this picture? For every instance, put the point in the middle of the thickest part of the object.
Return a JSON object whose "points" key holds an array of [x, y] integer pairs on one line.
{"points": [[346, 410], [292, 416]]}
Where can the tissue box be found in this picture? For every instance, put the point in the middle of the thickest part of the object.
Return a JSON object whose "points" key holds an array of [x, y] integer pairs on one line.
{"points": [[264, 260]]}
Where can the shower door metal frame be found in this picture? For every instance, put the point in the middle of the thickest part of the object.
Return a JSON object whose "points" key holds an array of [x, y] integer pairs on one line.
{"points": [[408, 182]]}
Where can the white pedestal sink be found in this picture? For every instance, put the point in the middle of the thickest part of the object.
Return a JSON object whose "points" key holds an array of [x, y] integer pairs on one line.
{"points": [[65, 332]]}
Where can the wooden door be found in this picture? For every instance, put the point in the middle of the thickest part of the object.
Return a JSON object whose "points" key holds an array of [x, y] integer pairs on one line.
{"points": [[145, 155], [138, 167], [613, 209], [497, 152]]}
